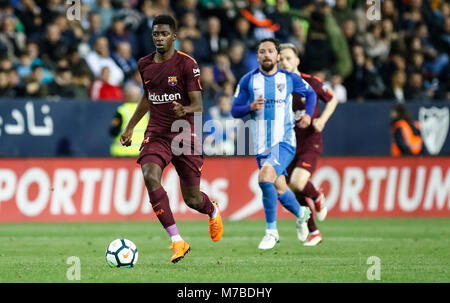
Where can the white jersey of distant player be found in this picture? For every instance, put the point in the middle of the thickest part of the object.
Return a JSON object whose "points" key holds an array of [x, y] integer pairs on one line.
{"points": [[274, 123]]}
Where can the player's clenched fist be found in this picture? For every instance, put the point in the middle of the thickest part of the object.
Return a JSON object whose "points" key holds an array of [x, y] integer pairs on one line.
{"points": [[125, 137], [303, 121], [258, 103], [179, 109]]}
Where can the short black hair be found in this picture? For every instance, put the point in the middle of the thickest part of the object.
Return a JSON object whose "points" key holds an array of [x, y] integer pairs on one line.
{"points": [[273, 40], [165, 19]]}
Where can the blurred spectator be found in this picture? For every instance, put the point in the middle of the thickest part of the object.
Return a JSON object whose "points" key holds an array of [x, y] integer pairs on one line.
{"points": [[134, 80], [6, 91], [29, 14], [13, 40], [14, 82], [81, 82], [51, 9], [67, 32], [336, 87], [228, 88], [354, 83], [105, 9], [396, 90], [61, 86], [242, 32], [215, 41], [279, 14], [132, 93], [406, 139], [220, 140], [78, 65], [95, 27], [117, 33], [209, 87], [163, 6], [119, 122], [99, 58], [183, 6], [33, 85], [343, 12], [188, 27], [124, 58], [255, 13], [103, 90], [389, 12], [52, 46], [222, 69], [319, 54], [416, 62], [187, 47], [298, 37], [144, 30], [415, 90], [349, 30], [237, 56], [375, 45], [5, 64], [373, 83]]}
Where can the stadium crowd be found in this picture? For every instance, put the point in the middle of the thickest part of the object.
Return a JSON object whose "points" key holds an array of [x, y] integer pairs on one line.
{"points": [[403, 56]]}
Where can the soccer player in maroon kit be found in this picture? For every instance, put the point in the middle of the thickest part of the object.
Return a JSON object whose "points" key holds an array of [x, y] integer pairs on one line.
{"points": [[309, 143], [171, 81]]}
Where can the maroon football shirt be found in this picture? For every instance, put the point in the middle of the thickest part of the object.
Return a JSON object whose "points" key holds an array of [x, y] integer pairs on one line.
{"points": [[307, 137], [167, 82]]}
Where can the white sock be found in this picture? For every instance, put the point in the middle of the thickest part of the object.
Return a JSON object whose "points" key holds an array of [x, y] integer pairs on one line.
{"points": [[214, 214], [275, 231], [176, 238]]}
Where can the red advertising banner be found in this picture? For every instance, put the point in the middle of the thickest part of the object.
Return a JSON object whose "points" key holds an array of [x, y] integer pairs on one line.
{"points": [[108, 189]]}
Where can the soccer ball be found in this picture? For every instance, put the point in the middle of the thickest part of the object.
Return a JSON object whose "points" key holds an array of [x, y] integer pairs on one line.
{"points": [[121, 253]]}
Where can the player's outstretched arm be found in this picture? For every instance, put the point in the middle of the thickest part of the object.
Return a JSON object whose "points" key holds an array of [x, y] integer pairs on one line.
{"points": [[319, 123], [141, 110]]}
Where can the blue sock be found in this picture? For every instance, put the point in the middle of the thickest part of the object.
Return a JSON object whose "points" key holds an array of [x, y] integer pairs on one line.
{"points": [[289, 202], [270, 198]]}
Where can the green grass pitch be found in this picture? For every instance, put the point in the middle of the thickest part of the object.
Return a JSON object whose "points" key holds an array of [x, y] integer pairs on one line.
{"points": [[409, 250]]}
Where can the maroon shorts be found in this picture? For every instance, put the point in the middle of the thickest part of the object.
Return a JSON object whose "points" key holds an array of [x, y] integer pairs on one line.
{"points": [[304, 159], [158, 150]]}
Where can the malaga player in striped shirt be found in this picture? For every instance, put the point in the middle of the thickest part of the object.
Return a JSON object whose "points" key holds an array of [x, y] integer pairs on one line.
{"points": [[267, 93]]}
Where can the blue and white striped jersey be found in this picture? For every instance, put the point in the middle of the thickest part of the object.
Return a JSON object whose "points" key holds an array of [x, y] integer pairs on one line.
{"points": [[275, 123]]}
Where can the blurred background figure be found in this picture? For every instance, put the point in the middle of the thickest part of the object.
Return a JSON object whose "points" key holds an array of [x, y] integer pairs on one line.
{"points": [[405, 133], [103, 90], [119, 121], [220, 140]]}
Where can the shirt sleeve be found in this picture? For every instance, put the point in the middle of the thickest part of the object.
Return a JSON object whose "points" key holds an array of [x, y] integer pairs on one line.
{"points": [[324, 94], [241, 106], [192, 75], [305, 90]]}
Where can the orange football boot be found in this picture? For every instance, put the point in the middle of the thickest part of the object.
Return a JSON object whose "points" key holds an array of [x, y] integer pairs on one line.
{"points": [[180, 249], [216, 225]]}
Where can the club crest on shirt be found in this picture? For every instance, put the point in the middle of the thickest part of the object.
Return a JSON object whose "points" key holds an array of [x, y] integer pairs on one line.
{"points": [[172, 80], [280, 87]]}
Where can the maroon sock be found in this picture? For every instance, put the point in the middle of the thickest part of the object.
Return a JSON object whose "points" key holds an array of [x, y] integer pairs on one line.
{"points": [[161, 206], [301, 199], [207, 207], [310, 191], [311, 225]]}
